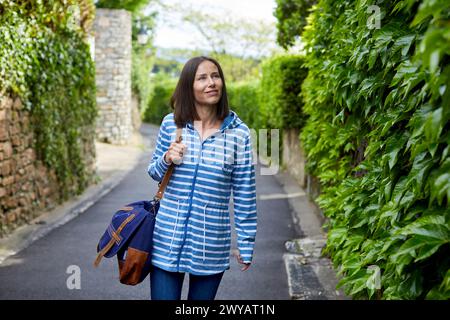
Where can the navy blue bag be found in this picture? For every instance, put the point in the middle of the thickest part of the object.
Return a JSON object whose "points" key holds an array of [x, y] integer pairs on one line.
{"points": [[129, 236]]}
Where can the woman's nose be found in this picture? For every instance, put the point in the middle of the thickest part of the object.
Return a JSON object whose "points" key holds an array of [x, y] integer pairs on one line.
{"points": [[211, 82]]}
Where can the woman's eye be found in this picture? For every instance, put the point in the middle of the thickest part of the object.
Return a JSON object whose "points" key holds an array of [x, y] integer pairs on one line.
{"points": [[214, 76]]}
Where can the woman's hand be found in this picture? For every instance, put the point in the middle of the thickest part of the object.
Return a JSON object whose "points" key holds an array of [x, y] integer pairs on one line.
{"points": [[246, 265], [175, 153]]}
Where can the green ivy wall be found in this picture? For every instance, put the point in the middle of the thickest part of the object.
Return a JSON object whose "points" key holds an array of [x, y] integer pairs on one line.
{"points": [[48, 110], [377, 137]]}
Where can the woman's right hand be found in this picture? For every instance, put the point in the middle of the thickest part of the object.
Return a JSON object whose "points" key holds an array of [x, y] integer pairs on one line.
{"points": [[175, 153]]}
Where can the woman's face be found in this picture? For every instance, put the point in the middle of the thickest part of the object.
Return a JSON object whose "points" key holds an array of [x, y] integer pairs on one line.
{"points": [[207, 84]]}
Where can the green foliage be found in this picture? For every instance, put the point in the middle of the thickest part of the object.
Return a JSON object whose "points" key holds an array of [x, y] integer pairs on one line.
{"points": [[167, 66], [377, 137], [243, 99], [159, 103], [141, 83], [281, 104], [143, 58], [291, 16], [130, 5], [238, 69], [86, 11], [45, 61]]}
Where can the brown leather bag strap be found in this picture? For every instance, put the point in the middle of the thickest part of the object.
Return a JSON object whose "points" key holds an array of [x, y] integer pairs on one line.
{"points": [[115, 238], [168, 174]]}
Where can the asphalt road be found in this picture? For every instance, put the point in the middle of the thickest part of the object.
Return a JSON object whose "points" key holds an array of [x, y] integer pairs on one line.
{"points": [[47, 268]]}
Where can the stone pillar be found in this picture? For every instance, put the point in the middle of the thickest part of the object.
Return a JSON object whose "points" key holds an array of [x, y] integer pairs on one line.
{"points": [[113, 75]]}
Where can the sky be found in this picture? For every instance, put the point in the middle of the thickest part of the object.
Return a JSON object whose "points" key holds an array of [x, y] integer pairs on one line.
{"points": [[171, 32]]}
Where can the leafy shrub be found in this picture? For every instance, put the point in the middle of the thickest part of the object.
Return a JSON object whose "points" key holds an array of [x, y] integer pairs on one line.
{"points": [[280, 102], [46, 62], [159, 103], [243, 99], [377, 136]]}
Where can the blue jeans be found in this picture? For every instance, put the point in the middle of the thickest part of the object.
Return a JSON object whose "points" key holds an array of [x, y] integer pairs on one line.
{"points": [[165, 285]]}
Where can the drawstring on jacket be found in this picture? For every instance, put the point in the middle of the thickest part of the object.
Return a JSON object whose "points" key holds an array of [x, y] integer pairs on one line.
{"points": [[175, 226], [204, 232]]}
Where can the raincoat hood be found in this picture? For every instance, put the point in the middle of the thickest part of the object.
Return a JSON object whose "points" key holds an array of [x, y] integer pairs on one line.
{"points": [[231, 121]]}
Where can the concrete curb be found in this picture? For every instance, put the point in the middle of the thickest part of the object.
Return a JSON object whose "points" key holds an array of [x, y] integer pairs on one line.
{"points": [[111, 173]]}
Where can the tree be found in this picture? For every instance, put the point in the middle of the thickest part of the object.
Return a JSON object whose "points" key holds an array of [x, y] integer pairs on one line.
{"points": [[291, 16], [229, 35], [238, 44]]}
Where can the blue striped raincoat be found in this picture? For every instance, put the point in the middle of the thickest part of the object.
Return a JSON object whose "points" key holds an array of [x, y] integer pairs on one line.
{"points": [[192, 230]]}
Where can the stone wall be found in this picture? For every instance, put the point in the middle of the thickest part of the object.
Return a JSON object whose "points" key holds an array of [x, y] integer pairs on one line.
{"points": [[25, 183], [293, 156], [294, 161], [113, 75], [27, 187]]}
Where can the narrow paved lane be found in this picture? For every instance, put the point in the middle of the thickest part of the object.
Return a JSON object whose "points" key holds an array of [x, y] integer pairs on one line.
{"points": [[41, 270]]}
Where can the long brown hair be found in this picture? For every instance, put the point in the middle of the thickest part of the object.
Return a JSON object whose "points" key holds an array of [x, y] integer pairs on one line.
{"points": [[183, 101]]}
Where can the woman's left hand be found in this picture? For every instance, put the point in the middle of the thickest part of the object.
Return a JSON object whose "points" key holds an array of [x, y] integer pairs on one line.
{"points": [[246, 265]]}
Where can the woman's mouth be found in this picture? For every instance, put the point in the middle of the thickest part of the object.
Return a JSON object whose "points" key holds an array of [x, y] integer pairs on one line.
{"points": [[212, 93]]}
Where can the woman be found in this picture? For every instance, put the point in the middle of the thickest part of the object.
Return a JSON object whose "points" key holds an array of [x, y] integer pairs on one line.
{"points": [[193, 231]]}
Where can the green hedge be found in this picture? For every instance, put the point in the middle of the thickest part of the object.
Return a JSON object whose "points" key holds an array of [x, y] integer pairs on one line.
{"points": [[45, 61], [280, 101], [378, 138], [159, 103], [243, 99]]}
